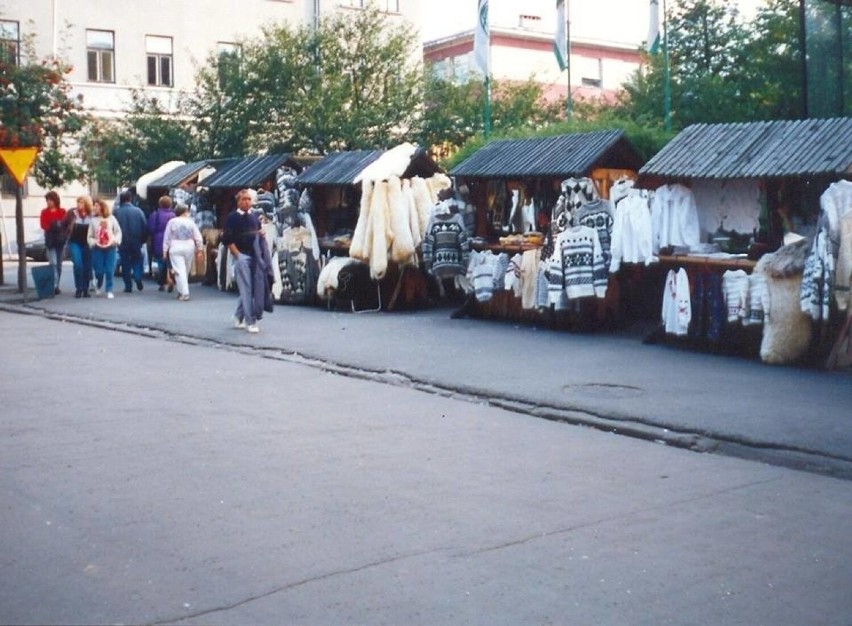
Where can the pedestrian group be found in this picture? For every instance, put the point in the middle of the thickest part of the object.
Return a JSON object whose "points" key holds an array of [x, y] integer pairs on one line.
{"points": [[101, 239]]}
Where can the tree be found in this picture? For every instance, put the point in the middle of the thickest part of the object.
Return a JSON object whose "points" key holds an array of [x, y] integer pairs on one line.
{"points": [[349, 83], [37, 110], [452, 113], [153, 132], [722, 69]]}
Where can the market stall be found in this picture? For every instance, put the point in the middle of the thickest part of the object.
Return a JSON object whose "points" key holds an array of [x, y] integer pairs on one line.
{"points": [[530, 197], [738, 207]]}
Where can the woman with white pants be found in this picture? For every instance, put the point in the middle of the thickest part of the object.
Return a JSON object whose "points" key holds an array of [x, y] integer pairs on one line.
{"points": [[180, 242]]}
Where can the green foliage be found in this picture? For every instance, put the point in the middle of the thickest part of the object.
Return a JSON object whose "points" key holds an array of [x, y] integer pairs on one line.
{"points": [[117, 152], [722, 69], [452, 113], [348, 84], [36, 109]]}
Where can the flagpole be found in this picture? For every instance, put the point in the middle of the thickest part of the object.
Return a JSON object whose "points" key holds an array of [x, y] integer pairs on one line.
{"points": [[569, 105], [667, 78]]}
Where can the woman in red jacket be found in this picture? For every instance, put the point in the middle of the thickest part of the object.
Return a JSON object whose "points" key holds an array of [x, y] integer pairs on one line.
{"points": [[54, 235]]}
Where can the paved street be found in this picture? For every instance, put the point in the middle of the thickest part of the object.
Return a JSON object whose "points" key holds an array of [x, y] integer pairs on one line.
{"points": [[161, 467]]}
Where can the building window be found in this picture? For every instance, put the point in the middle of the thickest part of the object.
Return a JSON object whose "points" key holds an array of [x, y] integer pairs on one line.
{"points": [[100, 55], [392, 6], [10, 41], [358, 4], [591, 72], [228, 61], [159, 51]]}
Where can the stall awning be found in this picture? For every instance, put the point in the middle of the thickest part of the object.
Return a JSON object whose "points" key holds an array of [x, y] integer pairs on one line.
{"points": [[338, 168], [756, 150], [249, 172], [179, 175], [560, 156]]}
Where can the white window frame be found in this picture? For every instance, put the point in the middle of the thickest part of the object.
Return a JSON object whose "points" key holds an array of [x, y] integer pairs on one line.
{"points": [[159, 51], [100, 55], [10, 39]]}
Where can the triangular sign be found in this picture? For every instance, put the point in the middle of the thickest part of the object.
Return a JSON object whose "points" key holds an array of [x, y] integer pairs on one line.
{"points": [[18, 161]]}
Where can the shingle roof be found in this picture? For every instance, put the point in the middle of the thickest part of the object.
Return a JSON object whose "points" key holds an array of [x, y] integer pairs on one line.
{"points": [[178, 175], [338, 168], [757, 150], [575, 154], [248, 171]]}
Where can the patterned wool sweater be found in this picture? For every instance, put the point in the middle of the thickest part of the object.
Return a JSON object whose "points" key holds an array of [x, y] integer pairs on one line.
{"points": [[598, 216], [576, 266], [446, 247]]}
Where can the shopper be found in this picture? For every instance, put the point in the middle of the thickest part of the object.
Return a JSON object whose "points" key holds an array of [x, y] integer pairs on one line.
{"points": [[134, 234], [181, 240], [157, 222], [238, 236], [51, 219], [76, 224], [104, 239]]}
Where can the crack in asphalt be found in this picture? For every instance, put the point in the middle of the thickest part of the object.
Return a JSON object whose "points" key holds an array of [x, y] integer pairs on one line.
{"points": [[617, 516], [295, 585], [793, 457]]}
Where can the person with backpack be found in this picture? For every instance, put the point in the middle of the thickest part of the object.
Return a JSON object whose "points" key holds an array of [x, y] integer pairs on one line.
{"points": [[157, 222]]}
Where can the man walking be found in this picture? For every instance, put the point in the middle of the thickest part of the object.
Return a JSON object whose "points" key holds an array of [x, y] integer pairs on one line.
{"points": [[238, 236], [134, 233]]}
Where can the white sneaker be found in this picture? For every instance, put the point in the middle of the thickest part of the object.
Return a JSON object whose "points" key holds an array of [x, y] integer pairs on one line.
{"points": [[239, 324], [110, 295], [253, 328]]}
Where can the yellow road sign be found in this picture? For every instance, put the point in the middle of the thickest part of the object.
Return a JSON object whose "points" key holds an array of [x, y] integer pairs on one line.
{"points": [[18, 161]]}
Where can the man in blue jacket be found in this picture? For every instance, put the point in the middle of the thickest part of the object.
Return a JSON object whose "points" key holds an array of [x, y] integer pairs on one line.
{"points": [[134, 234]]}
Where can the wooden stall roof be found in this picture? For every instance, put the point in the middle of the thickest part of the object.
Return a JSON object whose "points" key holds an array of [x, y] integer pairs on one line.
{"points": [[249, 172], [560, 156], [179, 175], [756, 150], [338, 168]]}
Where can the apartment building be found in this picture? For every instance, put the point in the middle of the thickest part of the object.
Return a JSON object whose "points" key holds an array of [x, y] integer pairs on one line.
{"points": [[115, 46], [522, 47]]}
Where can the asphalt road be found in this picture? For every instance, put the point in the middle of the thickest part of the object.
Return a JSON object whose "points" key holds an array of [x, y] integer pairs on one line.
{"points": [[146, 480]]}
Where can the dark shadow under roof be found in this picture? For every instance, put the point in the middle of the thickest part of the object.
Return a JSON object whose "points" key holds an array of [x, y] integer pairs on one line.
{"points": [[249, 172], [560, 156], [179, 175], [338, 168], [757, 150]]}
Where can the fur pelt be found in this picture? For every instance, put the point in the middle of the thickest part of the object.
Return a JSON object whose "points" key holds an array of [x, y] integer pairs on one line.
{"points": [[785, 262], [402, 246], [422, 201], [358, 245], [786, 330], [394, 162], [411, 211], [379, 242]]}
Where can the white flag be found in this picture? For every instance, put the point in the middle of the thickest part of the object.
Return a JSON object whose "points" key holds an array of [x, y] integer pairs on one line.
{"points": [[560, 40], [481, 40], [653, 43]]}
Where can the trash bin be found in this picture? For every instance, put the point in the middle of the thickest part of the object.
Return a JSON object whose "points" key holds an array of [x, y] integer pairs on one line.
{"points": [[43, 279]]}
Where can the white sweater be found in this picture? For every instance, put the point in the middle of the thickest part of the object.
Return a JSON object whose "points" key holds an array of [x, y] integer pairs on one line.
{"points": [[674, 217]]}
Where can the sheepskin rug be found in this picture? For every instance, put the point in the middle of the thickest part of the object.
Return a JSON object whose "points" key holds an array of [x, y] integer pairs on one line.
{"points": [[787, 330]]}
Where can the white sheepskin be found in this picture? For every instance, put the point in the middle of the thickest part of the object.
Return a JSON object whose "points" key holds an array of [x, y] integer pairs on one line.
{"points": [[394, 162], [402, 246], [411, 212], [379, 241], [422, 201], [786, 329], [358, 245]]}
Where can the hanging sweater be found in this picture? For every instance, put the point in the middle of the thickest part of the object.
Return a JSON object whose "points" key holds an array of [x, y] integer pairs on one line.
{"points": [[674, 217], [576, 266], [598, 216], [735, 286], [632, 235], [446, 248], [677, 306], [487, 273]]}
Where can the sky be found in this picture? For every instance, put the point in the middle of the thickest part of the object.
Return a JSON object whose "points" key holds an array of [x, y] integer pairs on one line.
{"points": [[624, 21]]}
